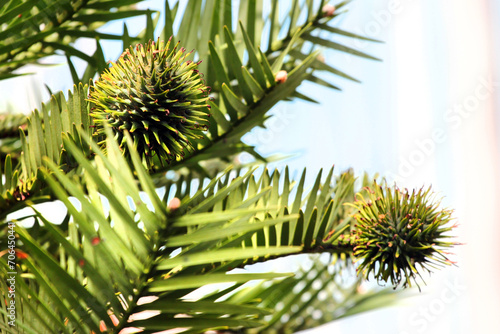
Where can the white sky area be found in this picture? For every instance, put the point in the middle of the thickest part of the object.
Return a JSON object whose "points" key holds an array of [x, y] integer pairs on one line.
{"points": [[426, 115]]}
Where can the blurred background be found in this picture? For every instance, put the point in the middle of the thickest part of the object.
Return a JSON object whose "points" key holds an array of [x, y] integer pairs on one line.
{"points": [[428, 114]]}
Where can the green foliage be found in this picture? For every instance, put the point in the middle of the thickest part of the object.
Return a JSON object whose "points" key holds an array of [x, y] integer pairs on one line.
{"points": [[31, 30], [138, 239], [61, 116], [141, 255], [226, 224], [312, 297]]}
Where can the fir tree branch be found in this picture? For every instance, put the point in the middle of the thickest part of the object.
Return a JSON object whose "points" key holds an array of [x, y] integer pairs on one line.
{"points": [[34, 30]]}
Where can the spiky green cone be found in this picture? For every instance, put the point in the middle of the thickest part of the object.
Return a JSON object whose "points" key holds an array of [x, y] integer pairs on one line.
{"points": [[398, 233], [158, 96]]}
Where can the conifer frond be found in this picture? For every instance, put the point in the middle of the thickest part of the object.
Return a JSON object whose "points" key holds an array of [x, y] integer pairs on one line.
{"points": [[31, 30]]}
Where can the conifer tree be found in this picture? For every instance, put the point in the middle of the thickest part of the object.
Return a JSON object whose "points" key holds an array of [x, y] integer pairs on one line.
{"points": [[141, 152]]}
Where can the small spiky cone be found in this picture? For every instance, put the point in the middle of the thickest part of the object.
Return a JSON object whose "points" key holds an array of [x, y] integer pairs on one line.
{"points": [[156, 95], [398, 232]]}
